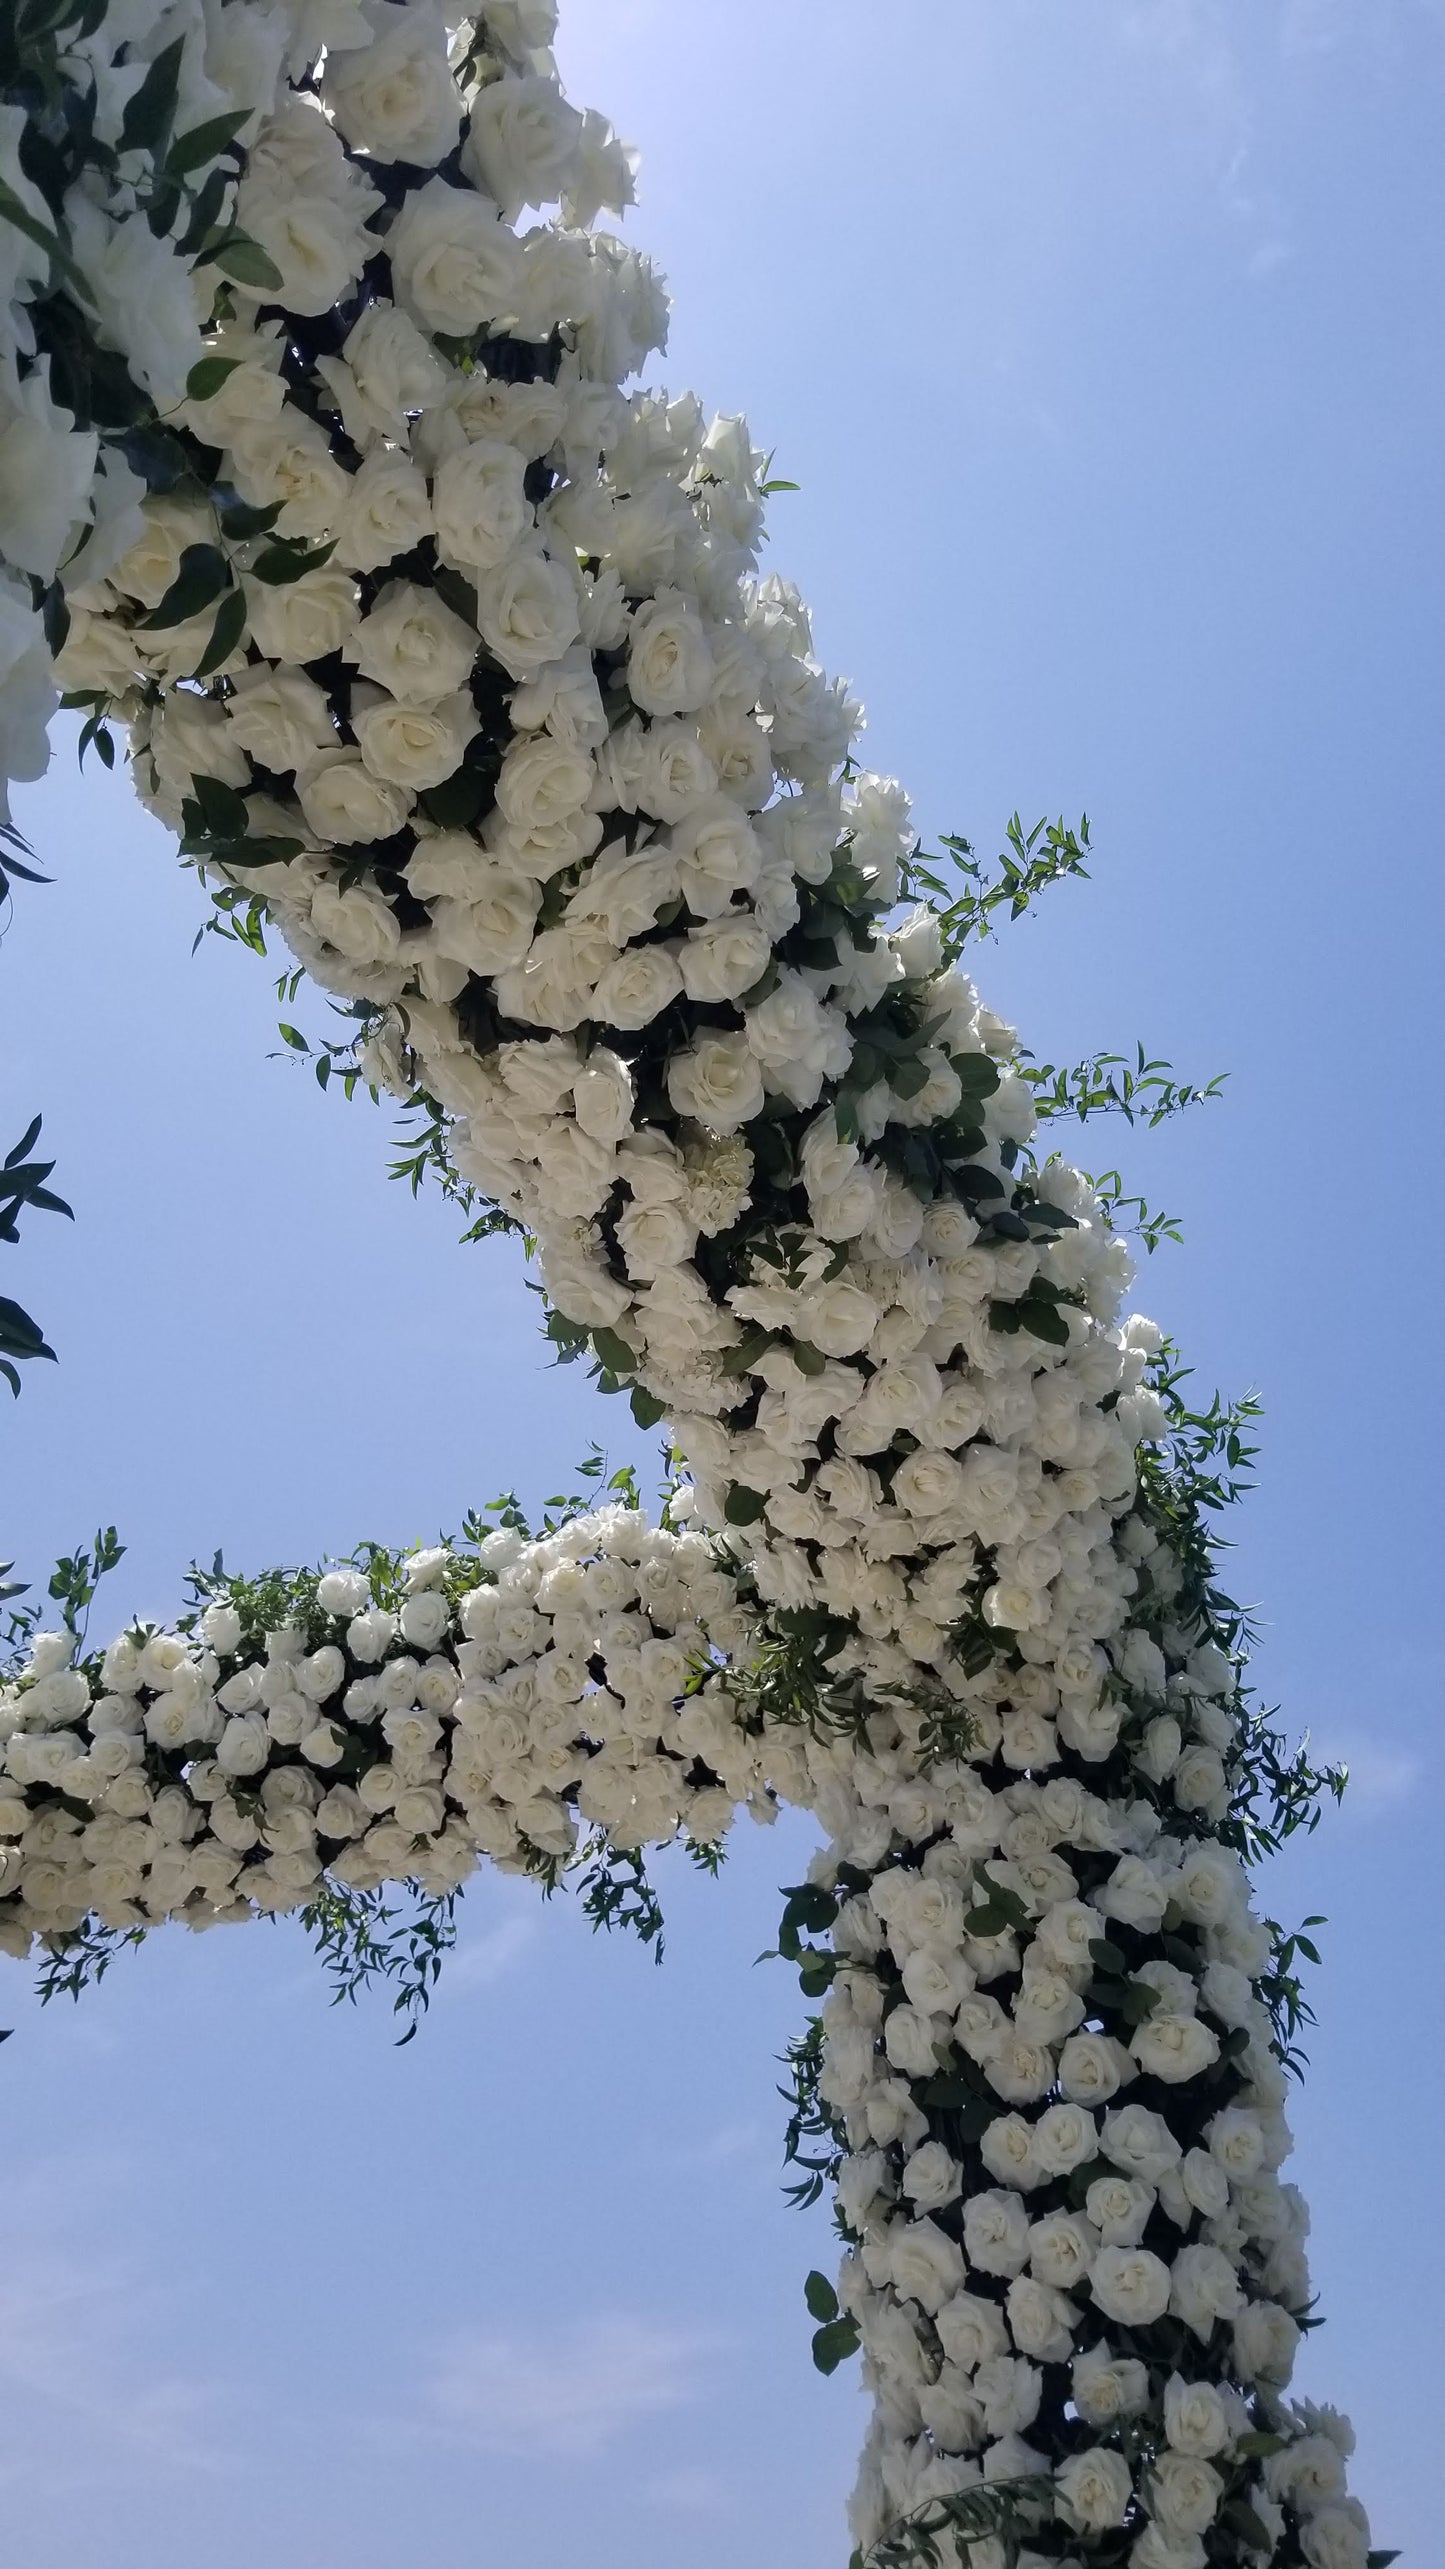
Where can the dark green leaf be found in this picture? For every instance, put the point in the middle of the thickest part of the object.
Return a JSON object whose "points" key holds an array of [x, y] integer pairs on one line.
{"points": [[204, 572], [820, 2297], [743, 1506], [204, 143], [147, 118], [834, 2344], [207, 376]]}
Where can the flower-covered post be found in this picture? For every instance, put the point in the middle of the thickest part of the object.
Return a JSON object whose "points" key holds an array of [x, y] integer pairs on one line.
{"points": [[445, 649]]}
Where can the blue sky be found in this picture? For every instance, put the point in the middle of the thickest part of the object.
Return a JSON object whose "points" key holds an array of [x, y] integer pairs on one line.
{"points": [[1105, 344]]}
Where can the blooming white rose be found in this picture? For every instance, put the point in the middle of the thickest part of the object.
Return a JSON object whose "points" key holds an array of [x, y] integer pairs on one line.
{"points": [[931, 2178], [925, 2265], [523, 142], [1130, 2285], [482, 510], [636, 988], [1265, 2340], [288, 464], [1093, 2490], [1195, 2418], [414, 746], [318, 246], [669, 662], [413, 645], [454, 264], [387, 512], [996, 2231], [1174, 2048], [717, 1081], [345, 804], [140, 288], [528, 612], [304, 619], [394, 97], [280, 717]]}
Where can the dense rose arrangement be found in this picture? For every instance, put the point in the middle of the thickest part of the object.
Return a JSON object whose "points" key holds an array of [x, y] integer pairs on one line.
{"points": [[448, 656]]}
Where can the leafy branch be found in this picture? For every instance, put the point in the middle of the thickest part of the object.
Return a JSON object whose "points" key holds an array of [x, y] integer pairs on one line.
{"points": [[23, 1182], [1034, 860], [1143, 1091], [363, 1940]]}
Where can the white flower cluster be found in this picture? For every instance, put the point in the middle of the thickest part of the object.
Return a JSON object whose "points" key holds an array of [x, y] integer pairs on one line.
{"points": [[226, 1770], [454, 652], [116, 189]]}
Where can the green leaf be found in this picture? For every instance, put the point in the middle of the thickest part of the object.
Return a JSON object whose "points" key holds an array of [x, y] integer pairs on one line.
{"points": [[1108, 1956], [977, 1074], [820, 2297], [207, 376], [293, 1036], [615, 1353], [243, 259], [204, 572], [147, 119], [645, 1409], [204, 143], [743, 1506], [226, 632], [807, 1358], [286, 562], [834, 2344]]}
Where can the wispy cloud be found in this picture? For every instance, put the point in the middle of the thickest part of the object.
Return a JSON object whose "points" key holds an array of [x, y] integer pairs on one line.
{"points": [[487, 1958], [572, 2389], [84, 2400]]}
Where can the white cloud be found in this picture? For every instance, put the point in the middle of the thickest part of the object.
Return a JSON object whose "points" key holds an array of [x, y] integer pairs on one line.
{"points": [[573, 2389], [489, 1957], [84, 2399]]}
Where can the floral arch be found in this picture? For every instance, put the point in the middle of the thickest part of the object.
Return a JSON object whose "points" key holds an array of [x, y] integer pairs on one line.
{"points": [[447, 657]]}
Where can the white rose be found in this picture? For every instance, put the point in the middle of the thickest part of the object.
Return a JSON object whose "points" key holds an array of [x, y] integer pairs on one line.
{"points": [[280, 717], [1184, 2493], [996, 2231], [1064, 2137], [345, 804], [319, 247], [1174, 2048], [1041, 2320], [1093, 2490], [669, 661], [394, 371], [304, 619], [1265, 2340], [387, 512], [543, 782], [491, 929], [394, 97], [654, 1237], [676, 771], [413, 645], [927, 1485], [415, 746], [454, 264], [636, 988], [717, 855], [724, 958], [1204, 2287], [717, 1081], [482, 510], [528, 612], [1119, 2208], [626, 890], [925, 2265], [1337, 2538], [523, 142], [1130, 2285], [290, 464], [1195, 2418], [931, 2178], [244, 1746], [971, 2330], [1140, 2143], [1107, 2387], [343, 1592]]}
